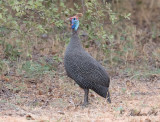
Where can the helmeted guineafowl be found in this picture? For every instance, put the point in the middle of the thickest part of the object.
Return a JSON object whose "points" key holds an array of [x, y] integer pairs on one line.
{"points": [[83, 68]]}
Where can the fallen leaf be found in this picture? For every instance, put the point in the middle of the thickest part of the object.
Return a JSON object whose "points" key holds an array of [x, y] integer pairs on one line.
{"points": [[135, 112], [147, 120], [29, 117]]}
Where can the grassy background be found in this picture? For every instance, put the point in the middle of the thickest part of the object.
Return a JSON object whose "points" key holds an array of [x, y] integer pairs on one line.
{"points": [[121, 35]]}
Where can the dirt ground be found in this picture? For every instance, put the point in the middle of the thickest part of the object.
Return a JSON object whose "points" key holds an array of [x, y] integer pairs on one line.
{"points": [[58, 98]]}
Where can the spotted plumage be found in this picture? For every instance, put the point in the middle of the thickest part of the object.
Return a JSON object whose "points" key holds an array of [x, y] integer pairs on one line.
{"points": [[85, 70]]}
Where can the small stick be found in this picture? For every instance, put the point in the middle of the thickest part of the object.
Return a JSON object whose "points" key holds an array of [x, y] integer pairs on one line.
{"points": [[83, 6]]}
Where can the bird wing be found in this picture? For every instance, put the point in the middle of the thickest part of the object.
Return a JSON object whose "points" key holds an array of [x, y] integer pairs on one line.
{"points": [[88, 68]]}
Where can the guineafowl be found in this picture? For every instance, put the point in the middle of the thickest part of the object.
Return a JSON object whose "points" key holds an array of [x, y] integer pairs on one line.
{"points": [[83, 68]]}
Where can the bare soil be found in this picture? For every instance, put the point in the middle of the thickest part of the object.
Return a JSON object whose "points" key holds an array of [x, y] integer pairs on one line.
{"points": [[58, 98]]}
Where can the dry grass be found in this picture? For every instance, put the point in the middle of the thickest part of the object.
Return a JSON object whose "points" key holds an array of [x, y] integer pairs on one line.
{"points": [[58, 98]]}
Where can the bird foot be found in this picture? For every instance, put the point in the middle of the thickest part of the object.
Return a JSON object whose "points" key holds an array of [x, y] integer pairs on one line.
{"points": [[109, 100], [85, 104]]}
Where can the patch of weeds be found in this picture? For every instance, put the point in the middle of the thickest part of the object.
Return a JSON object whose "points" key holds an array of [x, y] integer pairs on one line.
{"points": [[120, 109], [143, 105], [4, 31], [19, 88], [34, 69], [9, 86], [128, 71], [34, 103], [142, 73], [4, 66], [19, 100], [57, 59], [133, 94], [1, 65], [11, 52], [62, 77], [59, 102], [13, 106], [123, 90], [154, 72], [13, 88], [51, 62], [146, 74], [3, 102], [60, 119]]}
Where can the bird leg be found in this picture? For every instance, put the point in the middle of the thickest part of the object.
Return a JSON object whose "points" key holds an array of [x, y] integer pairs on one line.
{"points": [[86, 91], [108, 97]]}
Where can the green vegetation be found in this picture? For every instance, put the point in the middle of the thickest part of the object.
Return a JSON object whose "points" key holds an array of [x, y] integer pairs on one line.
{"points": [[109, 28]]}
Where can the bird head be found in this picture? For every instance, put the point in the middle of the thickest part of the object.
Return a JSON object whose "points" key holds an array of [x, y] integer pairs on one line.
{"points": [[75, 21]]}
